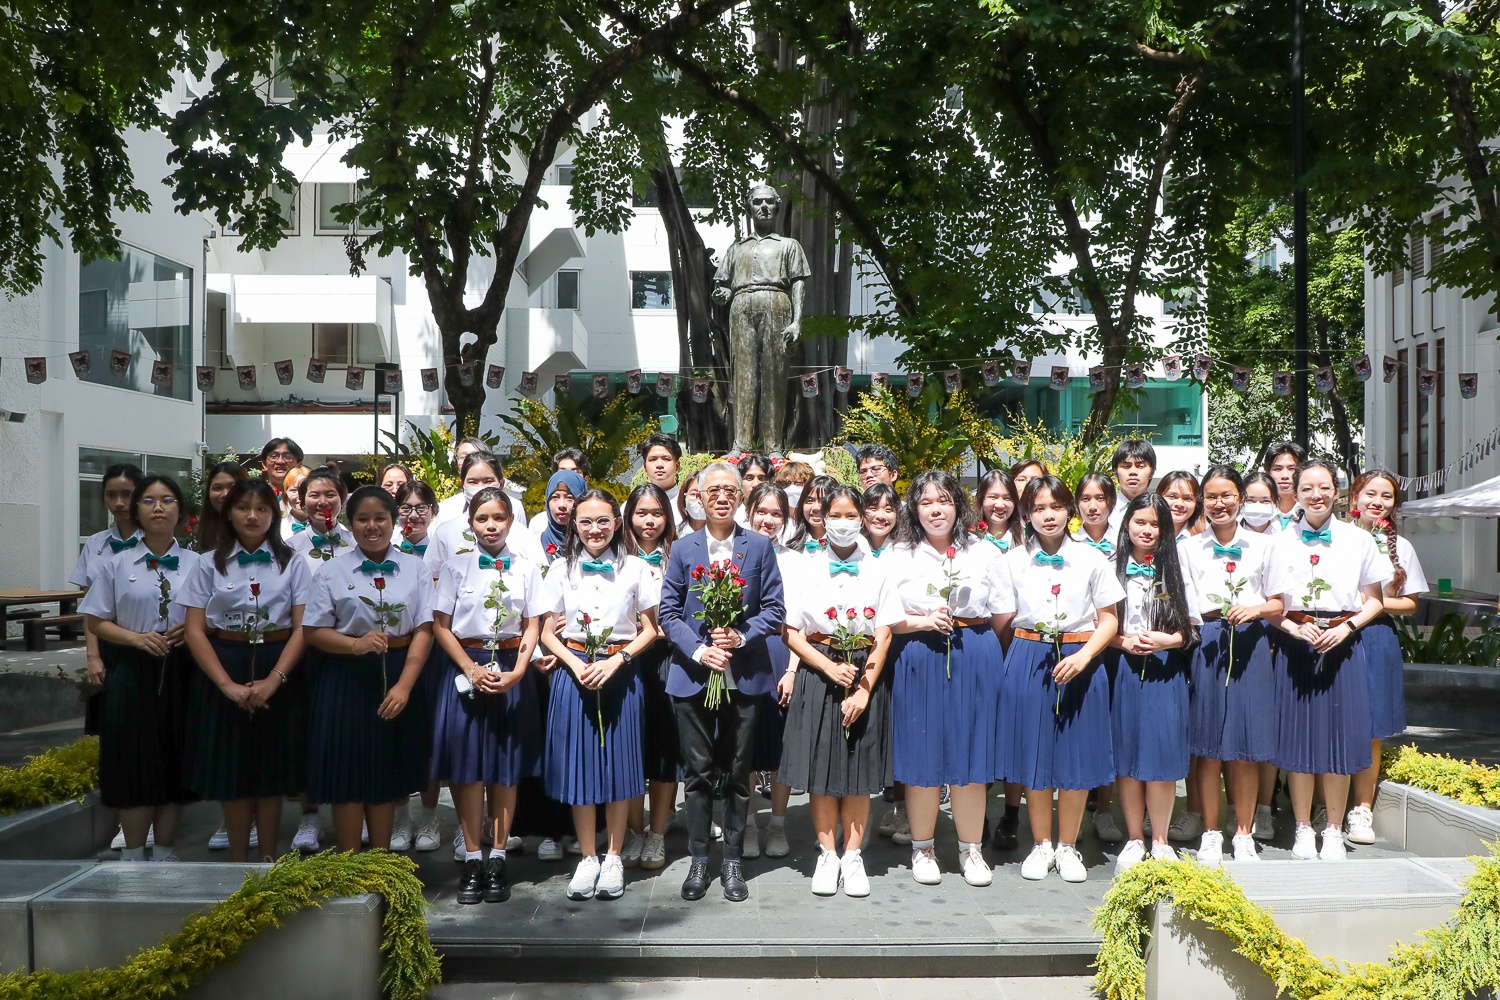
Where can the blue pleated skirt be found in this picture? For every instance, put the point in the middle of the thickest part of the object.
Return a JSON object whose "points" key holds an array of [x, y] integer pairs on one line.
{"points": [[1323, 720], [490, 739], [770, 729], [353, 755], [1386, 676], [577, 770], [232, 754], [943, 728], [1055, 739], [1237, 720], [1149, 715]]}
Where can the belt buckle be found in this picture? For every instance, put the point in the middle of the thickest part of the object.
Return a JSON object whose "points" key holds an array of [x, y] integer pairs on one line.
{"points": [[256, 639], [492, 643]]}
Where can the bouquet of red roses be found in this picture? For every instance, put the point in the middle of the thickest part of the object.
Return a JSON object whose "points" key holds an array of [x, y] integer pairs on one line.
{"points": [[721, 589], [847, 638]]}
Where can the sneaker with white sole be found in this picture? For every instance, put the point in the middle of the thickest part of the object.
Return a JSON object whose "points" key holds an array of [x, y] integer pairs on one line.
{"points": [[611, 884], [1211, 849], [1361, 820], [1244, 848], [585, 879], [825, 880], [218, 842], [515, 844], [308, 831], [429, 835], [1305, 844], [1187, 827], [630, 855], [1069, 863], [902, 834], [459, 849], [549, 850], [572, 846], [1107, 829], [1333, 845], [401, 836], [888, 822], [1132, 854], [1163, 852], [976, 872], [1264, 827], [924, 867], [167, 857], [750, 850], [654, 852], [852, 873], [1038, 863], [776, 845]]}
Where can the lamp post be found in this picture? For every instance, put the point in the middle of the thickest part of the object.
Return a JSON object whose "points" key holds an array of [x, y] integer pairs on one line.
{"points": [[385, 385]]}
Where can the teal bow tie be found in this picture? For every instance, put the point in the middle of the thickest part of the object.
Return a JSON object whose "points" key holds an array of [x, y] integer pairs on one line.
{"points": [[321, 540], [1232, 551], [115, 545], [1133, 568], [251, 558], [652, 558], [1046, 560], [486, 562], [165, 562], [377, 567], [1318, 536], [597, 566], [413, 550], [877, 552], [1103, 545], [298, 526], [837, 566], [811, 545], [1283, 519], [1003, 544]]}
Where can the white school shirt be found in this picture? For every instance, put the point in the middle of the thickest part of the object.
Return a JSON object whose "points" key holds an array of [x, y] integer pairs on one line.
{"points": [[289, 529], [654, 575], [1416, 580], [320, 556], [1082, 538], [226, 597], [464, 587], [980, 590], [611, 599], [94, 553], [818, 589], [452, 539], [128, 592], [1350, 562], [1138, 588], [1210, 573], [1285, 522], [1086, 584], [340, 589], [456, 507]]}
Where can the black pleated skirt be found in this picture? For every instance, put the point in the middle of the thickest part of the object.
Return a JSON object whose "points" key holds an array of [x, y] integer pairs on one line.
{"points": [[234, 754], [817, 755], [143, 712], [353, 755], [662, 753]]}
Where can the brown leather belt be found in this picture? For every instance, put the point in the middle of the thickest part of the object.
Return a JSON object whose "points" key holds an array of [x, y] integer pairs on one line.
{"points": [[1212, 616], [1325, 619], [514, 642], [1026, 633], [608, 649], [226, 635], [398, 642]]}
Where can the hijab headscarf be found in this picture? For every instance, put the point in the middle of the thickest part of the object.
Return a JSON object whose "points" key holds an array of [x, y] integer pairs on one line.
{"points": [[554, 533]]}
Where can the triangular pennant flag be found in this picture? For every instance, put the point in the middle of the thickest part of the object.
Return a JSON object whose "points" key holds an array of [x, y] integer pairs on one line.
{"points": [[562, 384], [317, 368], [36, 370], [527, 385], [207, 375], [1059, 379], [633, 381], [601, 386], [914, 383], [1171, 367], [246, 375], [880, 382], [82, 361], [810, 384], [283, 371], [161, 373], [666, 384], [494, 377], [354, 377], [1360, 366], [466, 374], [429, 380], [119, 363]]}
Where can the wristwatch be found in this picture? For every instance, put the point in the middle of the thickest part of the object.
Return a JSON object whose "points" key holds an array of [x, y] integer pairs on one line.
{"points": [[626, 658]]}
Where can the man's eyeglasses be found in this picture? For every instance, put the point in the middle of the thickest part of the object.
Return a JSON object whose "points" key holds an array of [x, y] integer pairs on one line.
{"points": [[721, 491]]}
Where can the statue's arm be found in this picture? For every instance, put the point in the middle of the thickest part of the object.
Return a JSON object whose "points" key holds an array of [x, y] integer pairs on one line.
{"points": [[723, 278]]}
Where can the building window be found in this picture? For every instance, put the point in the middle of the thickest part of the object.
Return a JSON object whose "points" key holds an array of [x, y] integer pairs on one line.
{"points": [[1266, 259], [92, 463], [1424, 418], [142, 305], [1403, 413], [565, 174], [567, 289], [281, 84], [1440, 444], [286, 207], [1071, 302], [330, 197], [344, 344], [1418, 256], [651, 290]]}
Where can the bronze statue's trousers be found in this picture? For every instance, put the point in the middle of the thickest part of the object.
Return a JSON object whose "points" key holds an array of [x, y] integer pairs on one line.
{"points": [[757, 354]]}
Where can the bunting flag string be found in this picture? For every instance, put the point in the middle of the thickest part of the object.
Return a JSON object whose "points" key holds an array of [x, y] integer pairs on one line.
{"points": [[1470, 459]]}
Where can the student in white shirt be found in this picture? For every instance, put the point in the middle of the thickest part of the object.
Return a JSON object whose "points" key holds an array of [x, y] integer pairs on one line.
{"points": [[1283, 459], [394, 476], [130, 608], [661, 458], [323, 496], [117, 488], [754, 470], [1098, 506], [1258, 515], [454, 536], [1134, 466], [996, 498], [217, 482], [882, 510], [293, 513], [566, 460]]}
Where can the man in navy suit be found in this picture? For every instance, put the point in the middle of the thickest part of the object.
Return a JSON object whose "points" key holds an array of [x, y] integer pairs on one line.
{"points": [[722, 738]]}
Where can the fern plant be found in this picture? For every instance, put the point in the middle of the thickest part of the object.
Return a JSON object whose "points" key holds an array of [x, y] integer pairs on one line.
{"points": [[608, 438], [932, 431], [1447, 643], [429, 455]]}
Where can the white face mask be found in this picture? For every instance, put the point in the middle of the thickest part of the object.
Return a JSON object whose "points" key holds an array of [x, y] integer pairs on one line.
{"points": [[842, 533], [469, 491], [1257, 515], [793, 497], [695, 509]]}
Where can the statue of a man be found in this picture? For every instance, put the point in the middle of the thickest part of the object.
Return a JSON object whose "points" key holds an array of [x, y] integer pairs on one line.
{"points": [[762, 278]]}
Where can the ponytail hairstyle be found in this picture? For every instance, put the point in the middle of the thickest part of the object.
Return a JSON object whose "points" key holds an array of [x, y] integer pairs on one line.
{"points": [[821, 485], [1172, 479], [573, 545], [1167, 609], [1059, 492], [1262, 478], [1384, 530], [989, 481], [259, 489], [909, 530], [669, 529]]}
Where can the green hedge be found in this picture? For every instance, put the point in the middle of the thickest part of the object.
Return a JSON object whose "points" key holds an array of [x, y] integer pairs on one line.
{"points": [[60, 774], [1465, 781]]}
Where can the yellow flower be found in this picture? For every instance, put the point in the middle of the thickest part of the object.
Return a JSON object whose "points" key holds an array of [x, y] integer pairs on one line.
{"points": [[1074, 525]]}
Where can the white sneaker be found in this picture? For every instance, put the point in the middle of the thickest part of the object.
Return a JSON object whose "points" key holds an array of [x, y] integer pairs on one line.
{"points": [[852, 871], [751, 848], [611, 884], [429, 836], [1211, 850], [1305, 844], [1244, 848], [364, 833], [514, 844], [118, 844], [1163, 852], [1333, 845], [1038, 863], [1069, 864], [308, 831], [924, 867], [401, 836], [459, 851], [976, 872], [630, 856], [654, 852], [902, 834], [585, 879], [572, 846], [1361, 820], [1132, 854], [888, 822], [825, 880], [1264, 827], [549, 850], [218, 842], [1106, 828], [1188, 826], [776, 845]]}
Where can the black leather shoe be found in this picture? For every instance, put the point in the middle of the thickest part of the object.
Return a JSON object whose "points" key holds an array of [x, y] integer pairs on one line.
{"points": [[735, 889], [695, 886], [471, 882], [496, 881], [1005, 833]]}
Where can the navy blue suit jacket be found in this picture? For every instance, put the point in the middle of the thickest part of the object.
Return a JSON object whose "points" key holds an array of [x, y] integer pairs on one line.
{"points": [[764, 613]]}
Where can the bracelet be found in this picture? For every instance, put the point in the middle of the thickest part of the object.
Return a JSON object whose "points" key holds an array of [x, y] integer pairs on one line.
{"points": [[278, 673]]}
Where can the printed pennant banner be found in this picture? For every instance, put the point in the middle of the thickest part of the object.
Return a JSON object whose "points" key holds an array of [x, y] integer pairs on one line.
{"points": [[1281, 383], [990, 373], [81, 361], [914, 383], [494, 378], [700, 389], [1361, 368], [562, 384], [666, 383], [354, 378], [207, 376], [429, 380], [161, 373], [601, 386], [36, 370], [527, 385], [810, 384], [1323, 379], [843, 378], [1059, 380], [119, 363], [953, 380], [284, 372], [317, 370], [880, 382], [246, 375], [1171, 367], [633, 381]]}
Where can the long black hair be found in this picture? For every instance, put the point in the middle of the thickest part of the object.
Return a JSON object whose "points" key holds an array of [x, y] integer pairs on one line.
{"points": [[820, 485], [573, 544], [1057, 489], [254, 488], [987, 482], [873, 495], [668, 531], [212, 524], [1166, 609], [909, 529], [848, 493]]}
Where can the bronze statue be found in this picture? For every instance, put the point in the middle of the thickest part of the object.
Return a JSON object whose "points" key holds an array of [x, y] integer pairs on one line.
{"points": [[762, 279]]}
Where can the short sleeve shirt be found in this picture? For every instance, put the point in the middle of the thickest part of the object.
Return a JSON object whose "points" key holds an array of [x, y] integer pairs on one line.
{"points": [[1217, 575], [1326, 576], [869, 593], [319, 550], [348, 598], [234, 599], [611, 599], [980, 585], [1067, 596], [465, 586], [96, 551], [136, 592]]}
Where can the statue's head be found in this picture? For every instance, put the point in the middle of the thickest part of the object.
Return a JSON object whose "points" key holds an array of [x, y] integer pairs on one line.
{"points": [[764, 203]]}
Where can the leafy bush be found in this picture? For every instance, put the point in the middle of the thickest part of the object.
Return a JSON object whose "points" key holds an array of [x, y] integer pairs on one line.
{"points": [[1065, 453], [608, 438], [1448, 643], [62, 773], [933, 431], [1465, 781], [429, 455]]}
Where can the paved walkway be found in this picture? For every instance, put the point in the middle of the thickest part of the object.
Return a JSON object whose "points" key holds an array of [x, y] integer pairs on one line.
{"points": [[1057, 988]]}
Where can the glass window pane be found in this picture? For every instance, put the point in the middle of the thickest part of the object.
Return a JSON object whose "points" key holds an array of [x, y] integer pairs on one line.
{"points": [[92, 516], [371, 350], [567, 289], [651, 289], [93, 461], [331, 196], [565, 174], [286, 205], [331, 342], [180, 469], [141, 305]]}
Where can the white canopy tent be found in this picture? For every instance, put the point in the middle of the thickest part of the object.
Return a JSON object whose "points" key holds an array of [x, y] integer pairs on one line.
{"points": [[1479, 500]]}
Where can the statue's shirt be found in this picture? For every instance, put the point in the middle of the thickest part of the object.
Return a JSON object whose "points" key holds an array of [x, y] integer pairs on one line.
{"points": [[767, 262]]}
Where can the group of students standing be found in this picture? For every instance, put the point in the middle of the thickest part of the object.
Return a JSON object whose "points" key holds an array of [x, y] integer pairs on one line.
{"points": [[358, 647]]}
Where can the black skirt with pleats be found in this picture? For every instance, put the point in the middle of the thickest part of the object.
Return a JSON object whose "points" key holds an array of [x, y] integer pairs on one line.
{"points": [[142, 716]]}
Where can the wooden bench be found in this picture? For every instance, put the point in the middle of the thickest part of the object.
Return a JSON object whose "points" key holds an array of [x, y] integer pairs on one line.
{"points": [[35, 629]]}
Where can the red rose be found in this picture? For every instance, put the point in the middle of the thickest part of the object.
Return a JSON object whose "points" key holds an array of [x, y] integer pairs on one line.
{"points": [[1229, 567], [552, 548], [697, 572], [832, 613], [733, 568], [1313, 560], [254, 590], [406, 529], [1354, 512], [380, 583], [983, 526], [1148, 559], [1056, 589], [823, 542], [952, 552], [850, 614], [586, 619], [739, 581], [869, 613]]}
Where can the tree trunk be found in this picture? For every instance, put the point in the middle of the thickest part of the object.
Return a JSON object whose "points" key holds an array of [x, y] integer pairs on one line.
{"points": [[1471, 149], [1343, 434]]}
